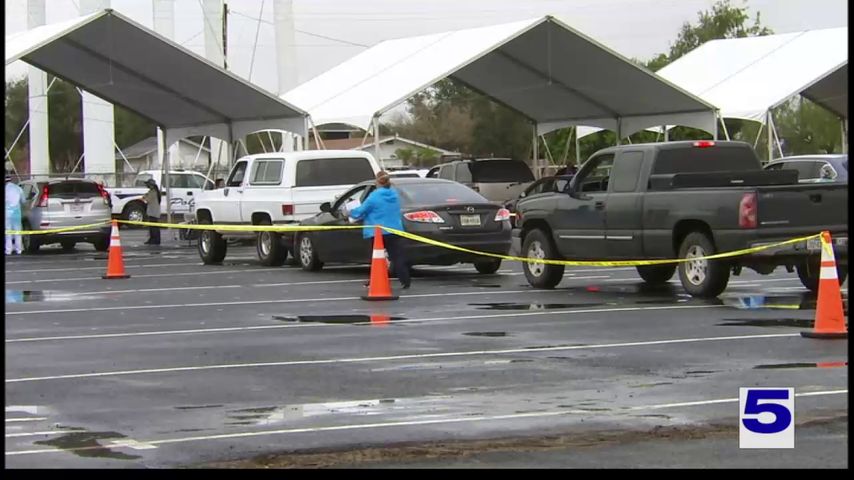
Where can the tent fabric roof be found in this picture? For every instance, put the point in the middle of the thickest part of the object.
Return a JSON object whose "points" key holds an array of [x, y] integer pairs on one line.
{"points": [[130, 65], [745, 77], [541, 67]]}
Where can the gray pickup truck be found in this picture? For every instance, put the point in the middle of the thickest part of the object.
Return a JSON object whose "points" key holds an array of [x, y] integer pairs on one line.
{"points": [[682, 200]]}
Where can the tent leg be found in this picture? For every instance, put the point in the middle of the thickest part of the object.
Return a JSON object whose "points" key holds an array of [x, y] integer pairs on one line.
{"points": [[843, 124], [566, 147], [723, 124], [536, 153], [770, 140], [666, 133], [777, 138], [166, 184], [577, 148], [619, 131], [376, 122]]}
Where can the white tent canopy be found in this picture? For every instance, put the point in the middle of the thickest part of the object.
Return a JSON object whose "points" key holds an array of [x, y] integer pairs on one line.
{"points": [[542, 68], [746, 77], [127, 64]]}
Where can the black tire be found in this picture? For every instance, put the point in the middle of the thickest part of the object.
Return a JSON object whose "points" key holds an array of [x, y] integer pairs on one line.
{"points": [[539, 244], [102, 244], [30, 243], [134, 211], [809, 272], [212, 247], [488, 267], [706, 278], [307, 254], [656, 274], [269, 247], [68, 245]]}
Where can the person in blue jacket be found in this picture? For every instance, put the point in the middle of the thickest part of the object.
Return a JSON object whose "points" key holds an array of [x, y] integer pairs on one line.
{"points": [[382, 207]]}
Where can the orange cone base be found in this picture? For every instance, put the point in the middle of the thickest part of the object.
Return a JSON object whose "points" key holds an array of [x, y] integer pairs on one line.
{"points": [[391, 297], [114, 277], [827, 336]]}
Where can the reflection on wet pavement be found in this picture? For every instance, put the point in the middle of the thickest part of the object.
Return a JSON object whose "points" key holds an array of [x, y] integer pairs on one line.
{"points": [[85, 444], [341, 319], [530, 306], [486, 334], [774, 322], [27, 296], [802, 365]]}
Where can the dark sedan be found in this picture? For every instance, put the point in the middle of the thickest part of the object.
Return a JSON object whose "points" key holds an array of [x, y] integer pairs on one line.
{"points": [[441, 210]]}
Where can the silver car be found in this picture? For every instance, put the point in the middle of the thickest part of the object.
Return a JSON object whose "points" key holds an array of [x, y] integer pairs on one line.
{"points": [[54, 204]]}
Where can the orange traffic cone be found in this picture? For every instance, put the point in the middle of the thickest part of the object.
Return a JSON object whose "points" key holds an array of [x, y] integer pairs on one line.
{"points": [[115, 262], [829, 317], [380, 287]]}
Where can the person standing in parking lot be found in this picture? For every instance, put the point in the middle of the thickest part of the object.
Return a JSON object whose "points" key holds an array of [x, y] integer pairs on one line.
{"points": [[382, 207], [152, 211], [14, 199]]}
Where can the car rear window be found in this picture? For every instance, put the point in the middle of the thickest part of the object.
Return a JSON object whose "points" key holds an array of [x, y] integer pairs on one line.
{"points": [[500, 171], [709, 159], [317, 172], [437, 193], [73, 190]]}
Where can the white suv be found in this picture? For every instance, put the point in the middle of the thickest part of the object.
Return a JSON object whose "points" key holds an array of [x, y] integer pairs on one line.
{"points": [[276, 189]]}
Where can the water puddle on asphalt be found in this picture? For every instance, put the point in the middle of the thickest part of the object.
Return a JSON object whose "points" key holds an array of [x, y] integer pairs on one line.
{"points": [[487, 334], [530, 306], [375, 320], [27, 296], [196, 407], [801, 365], [281, 414], [803, 301], [773, 322], [85, 444]]}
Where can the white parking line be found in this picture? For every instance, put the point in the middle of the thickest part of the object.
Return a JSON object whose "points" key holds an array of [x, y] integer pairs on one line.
{"points": [[33, 419], [397, 357], [127, 266], [212, 272], [319, 325], [50, 432], [366, 426]]}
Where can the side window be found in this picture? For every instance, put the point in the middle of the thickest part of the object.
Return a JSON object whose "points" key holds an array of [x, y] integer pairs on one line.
{"points": [[595, 174], [349, 196], [626, 172], [317, 172], [775, 166], [140, 180], [447, 172], [463, 173], [267, 172], [236, 177], [195, 181], [178, 180]]}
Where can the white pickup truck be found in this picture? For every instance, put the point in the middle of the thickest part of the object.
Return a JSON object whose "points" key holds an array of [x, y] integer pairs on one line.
{"points": [[276, 189], [184, 186]]}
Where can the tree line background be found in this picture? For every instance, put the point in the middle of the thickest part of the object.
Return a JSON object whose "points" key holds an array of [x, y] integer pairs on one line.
{"points": [[451, 116]]}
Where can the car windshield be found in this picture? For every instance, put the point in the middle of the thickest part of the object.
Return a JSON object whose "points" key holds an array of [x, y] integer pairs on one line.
{"points": [[500, 171], [437, 193]]}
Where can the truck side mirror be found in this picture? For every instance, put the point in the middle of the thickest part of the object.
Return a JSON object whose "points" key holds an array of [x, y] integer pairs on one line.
{"points": [[326, 207]]}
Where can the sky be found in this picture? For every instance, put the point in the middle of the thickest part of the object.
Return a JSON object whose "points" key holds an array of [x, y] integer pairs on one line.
{"points": [[331, 31]]}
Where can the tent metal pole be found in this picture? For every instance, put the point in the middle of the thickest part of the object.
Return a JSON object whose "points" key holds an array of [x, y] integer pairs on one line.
{"points": [[376, 122], [843, 124], [577, 148], [770, 140], [619, 131], [758, 134], [777, 138], [726, 132], [566, 147], [666, 133], [166, 184], [548, 152], [536, 152]]}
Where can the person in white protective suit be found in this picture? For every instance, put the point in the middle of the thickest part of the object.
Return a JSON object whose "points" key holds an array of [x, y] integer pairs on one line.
{"points": [[14, 199]]}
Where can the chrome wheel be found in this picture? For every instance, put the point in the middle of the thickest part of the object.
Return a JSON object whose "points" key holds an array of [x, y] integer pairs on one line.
{"points": [[205, 242], [266, 243], [306, 251], [136, 215], [535, 250], [696, 270]]}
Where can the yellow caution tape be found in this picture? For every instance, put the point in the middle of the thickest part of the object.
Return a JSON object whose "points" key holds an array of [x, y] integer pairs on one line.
{"points": [[56, 230], [436, 243]]}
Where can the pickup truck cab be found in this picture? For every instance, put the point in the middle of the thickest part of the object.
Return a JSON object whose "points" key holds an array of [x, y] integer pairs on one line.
{"points": [[184, 186], [682, 200], [276, 189]]}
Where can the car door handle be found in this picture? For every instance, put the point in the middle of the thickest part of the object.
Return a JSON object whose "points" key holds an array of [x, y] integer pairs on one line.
{"points": [[190, 193], [599, 205]]}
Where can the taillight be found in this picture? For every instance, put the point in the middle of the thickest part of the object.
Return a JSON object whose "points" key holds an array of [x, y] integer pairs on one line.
{"points": [[287, 209], [747, 211], [502, 215], [423, 216], [104, 194], [704, 144], [44, 197]]}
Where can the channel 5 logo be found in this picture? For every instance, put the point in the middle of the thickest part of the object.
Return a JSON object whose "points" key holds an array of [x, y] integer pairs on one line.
{"points": [[766, 418]]}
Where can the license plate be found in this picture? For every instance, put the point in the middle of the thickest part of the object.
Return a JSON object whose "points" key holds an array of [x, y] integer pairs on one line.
{"points": [[814, 244], [76, 208], [470, 220]]}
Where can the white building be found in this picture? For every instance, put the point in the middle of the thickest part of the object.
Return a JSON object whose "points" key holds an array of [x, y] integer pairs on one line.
{"points": [[389, 147], [143, 156]]}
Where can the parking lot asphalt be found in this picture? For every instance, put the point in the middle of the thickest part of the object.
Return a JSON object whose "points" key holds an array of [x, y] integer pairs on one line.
{"points": [[191, 365]]}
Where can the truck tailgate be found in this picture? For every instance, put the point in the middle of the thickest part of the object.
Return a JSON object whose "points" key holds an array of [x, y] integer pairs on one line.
{"points": [[819, 206]]}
